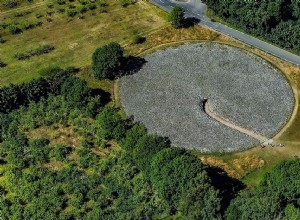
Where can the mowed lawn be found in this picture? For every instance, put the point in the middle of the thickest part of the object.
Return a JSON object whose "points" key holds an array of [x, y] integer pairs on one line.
{"points": [[74, 39]]}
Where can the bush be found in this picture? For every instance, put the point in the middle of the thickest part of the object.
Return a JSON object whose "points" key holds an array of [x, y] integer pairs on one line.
{"points": [[71, 12], [103, 3], [92, 6], [138, 39], [83, 2], [35, 52], [13, 29], [10, 3], [41, 50], [107, 61], [82, 9], [176, 17], [2, 41], [126, 3], [22, 56], [61, 2], [2, 64], [76, 92], [38, 15], [61, 10]]}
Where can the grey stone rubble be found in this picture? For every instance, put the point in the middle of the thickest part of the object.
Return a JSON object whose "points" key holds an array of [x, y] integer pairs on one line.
{"points": [[166, 93]]}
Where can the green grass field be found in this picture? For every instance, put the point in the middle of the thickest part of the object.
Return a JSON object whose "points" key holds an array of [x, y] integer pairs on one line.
{"points": [[74, 39]]}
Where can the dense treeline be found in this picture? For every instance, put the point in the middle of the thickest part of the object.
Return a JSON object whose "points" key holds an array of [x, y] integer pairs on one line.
{"points": [[276, 21], [14, 96], [277, 197]]}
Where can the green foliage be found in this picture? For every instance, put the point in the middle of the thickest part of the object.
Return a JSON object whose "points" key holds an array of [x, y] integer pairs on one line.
{"points": [[70, 12], [10, 3], [61, 2], [107, 61], [275, 21], [38, 151], [109, 121], [60, 152], [2, 64], [126, 3], [138, 39], [13, 29], [176, 17], [14, 96], [75, 91], [278, 192], [133, 135], [35, 52], [2, 41]]}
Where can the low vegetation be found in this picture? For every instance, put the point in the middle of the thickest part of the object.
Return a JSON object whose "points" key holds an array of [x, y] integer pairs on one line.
{"points": [[35, 52]]}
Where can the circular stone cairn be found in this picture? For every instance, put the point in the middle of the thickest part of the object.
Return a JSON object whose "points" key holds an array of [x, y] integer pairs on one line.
{"points": [[166, 94]]}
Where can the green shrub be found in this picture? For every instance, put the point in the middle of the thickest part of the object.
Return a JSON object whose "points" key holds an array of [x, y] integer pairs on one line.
{"points": [[61, 10], [2, 41], [83, 2], [10, 3], [18, 14], [138, 39], [2, 64], [103, 3], [22, 56], [35, 52], [126, 3], [38, 15], [13, 29], [61, 2], [71, 12], [82, 9], [92, 6], [50, 5]]}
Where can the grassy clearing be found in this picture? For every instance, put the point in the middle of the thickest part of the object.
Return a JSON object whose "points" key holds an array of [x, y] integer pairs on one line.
{"points": [[74, 39]]}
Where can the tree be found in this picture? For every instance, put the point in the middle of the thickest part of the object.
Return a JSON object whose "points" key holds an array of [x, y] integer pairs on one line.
{"points": [[176, 17], [76, 92], [107, 61], [108, 119]]}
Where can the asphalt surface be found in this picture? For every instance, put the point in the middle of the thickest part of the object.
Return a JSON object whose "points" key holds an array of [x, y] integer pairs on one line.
{"points": [[196, 9]]}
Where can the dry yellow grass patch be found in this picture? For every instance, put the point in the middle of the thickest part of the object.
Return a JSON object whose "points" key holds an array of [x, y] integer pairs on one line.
{"points": [[57, 135]]}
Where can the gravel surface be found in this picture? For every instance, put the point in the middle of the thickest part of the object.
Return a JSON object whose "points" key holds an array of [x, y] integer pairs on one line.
{"points": [[166, 94]]}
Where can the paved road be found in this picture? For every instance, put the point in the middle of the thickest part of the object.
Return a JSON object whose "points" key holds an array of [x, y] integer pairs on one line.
{"points": [[195, 8]]}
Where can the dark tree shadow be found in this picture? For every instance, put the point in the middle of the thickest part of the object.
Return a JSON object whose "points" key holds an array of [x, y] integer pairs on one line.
{"points": [[105, 96], [132, 65], [190, 21], [229, 187]]}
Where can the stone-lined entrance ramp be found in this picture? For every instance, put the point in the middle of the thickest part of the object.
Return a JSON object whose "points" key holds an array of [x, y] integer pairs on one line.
{"points": [[232, 125]]}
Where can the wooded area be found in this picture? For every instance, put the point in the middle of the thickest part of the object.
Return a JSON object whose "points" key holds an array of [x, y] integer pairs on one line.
{"points": [[141, 176], [275, 21]]}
